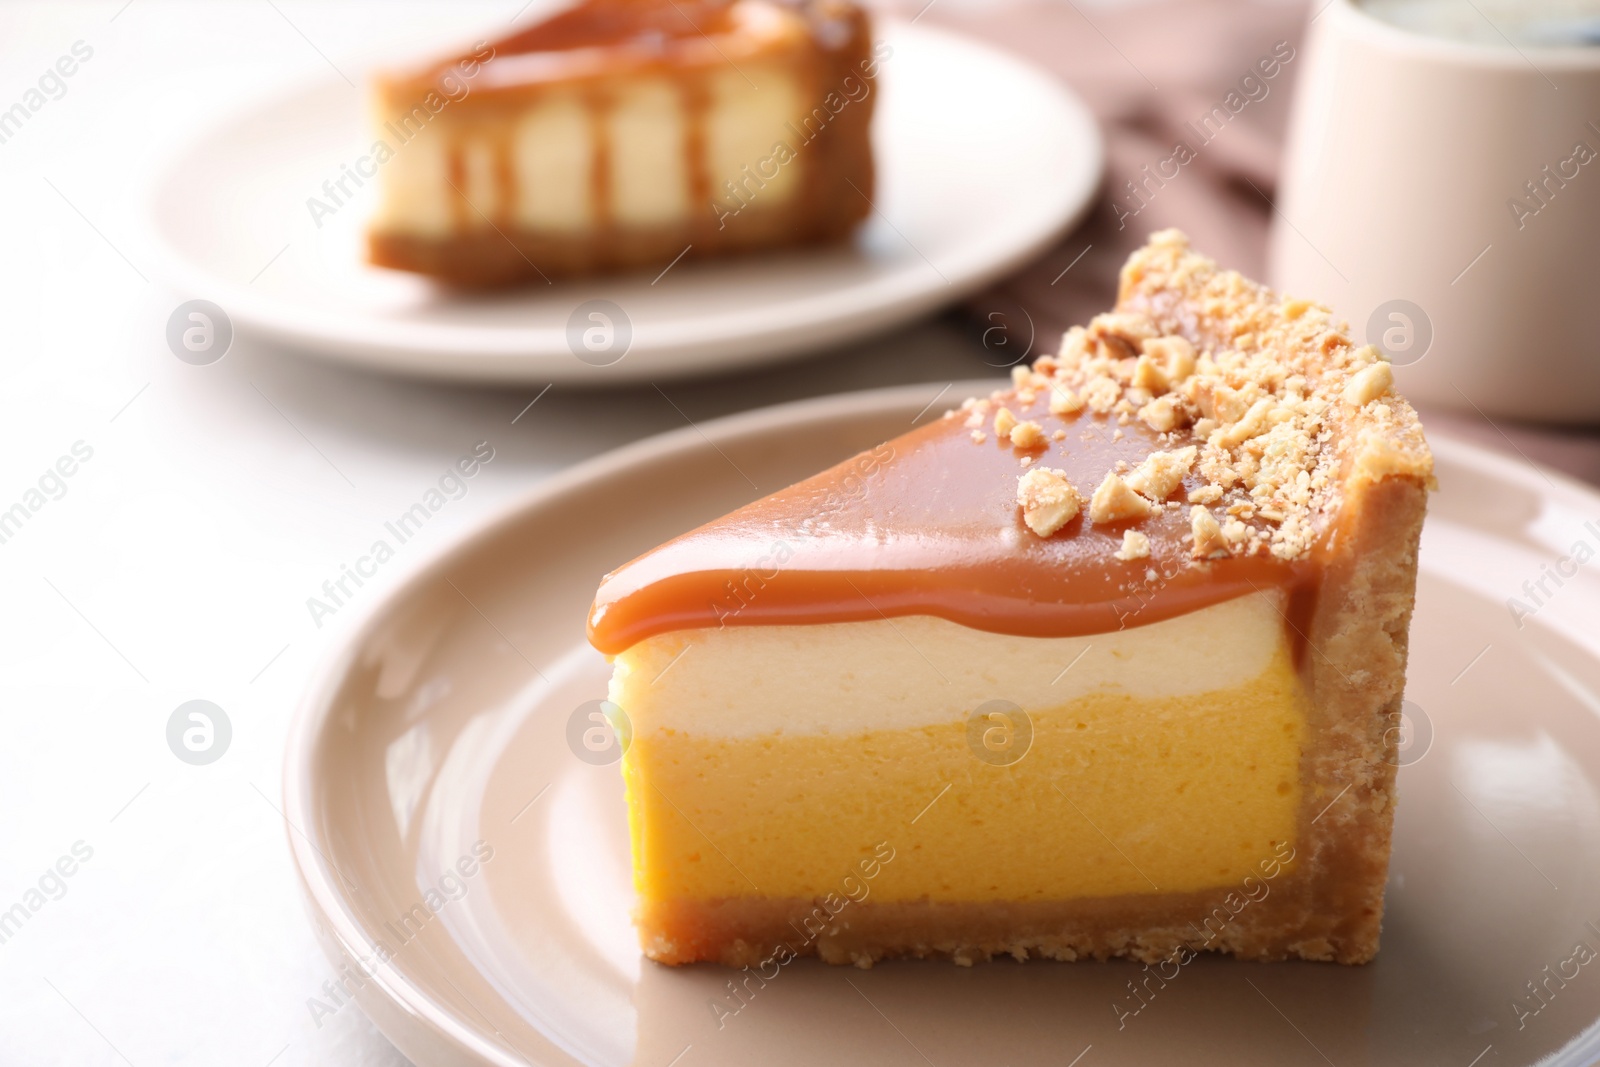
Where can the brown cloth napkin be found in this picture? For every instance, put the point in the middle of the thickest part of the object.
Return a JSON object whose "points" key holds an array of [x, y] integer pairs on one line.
{"points": [[1154, 72]]}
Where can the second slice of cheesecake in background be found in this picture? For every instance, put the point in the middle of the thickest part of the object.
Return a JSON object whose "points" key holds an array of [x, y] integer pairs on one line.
{"points": [[623, 133]]}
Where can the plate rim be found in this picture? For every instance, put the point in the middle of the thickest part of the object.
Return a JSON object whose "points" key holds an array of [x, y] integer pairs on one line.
{"points": [[313, 711], [512, 355]]}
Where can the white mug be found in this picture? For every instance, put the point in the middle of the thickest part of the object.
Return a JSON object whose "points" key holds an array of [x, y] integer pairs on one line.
{"points": [[1443, 195]]}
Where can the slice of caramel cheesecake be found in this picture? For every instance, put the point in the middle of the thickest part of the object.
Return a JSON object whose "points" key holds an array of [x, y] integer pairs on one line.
{"points": [[626, 133], [1104, 664]]}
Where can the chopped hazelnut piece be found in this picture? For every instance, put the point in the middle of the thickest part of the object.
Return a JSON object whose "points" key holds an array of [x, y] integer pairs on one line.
{"points": [[1102, 393], [1122, 325], [1162, 472], [1208, 539], [1135, 545], [1229, 405], [1048, 501], [1206, 494], [1163, 363], [1368, 384], [1162, 414], [1004, 422], [1252, 424], [1147, 374], [1064, 401], [1028, 435], [1113, 501], [1074, 345], [979, 437], [1173, 356]]}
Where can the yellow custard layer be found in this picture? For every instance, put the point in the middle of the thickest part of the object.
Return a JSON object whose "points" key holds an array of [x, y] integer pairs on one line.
{"points": [[1119, 792]]}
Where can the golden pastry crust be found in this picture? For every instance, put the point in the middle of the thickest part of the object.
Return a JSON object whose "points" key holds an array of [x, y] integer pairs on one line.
{"points": [[1371, 444], [1272, 915]]}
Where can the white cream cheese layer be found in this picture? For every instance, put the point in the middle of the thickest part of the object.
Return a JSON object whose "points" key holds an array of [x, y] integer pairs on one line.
{"points": [[554, 145], [885, 674]]}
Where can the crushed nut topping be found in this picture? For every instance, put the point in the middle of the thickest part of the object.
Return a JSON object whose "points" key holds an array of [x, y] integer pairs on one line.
{"points": [[1028, 435], [1048, 501], [1102, 393], [1207, 535], [1162, 472], [1163, 414], [1370, 383], [1064, 401], [1163, 364], [1135, 545], [1113, 501], [1260, 403]]}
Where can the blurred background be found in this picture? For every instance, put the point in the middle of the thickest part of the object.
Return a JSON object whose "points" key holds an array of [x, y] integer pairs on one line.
{"points": [[177, 517]]}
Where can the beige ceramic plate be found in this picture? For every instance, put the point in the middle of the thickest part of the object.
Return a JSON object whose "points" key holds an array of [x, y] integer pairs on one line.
{"points": [[443, 817], [959, 124]]}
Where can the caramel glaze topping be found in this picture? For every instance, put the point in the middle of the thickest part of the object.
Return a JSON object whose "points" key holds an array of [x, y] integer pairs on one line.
{"points": [[602, 38], [1190, 447], [928, 524], [606, 23]]}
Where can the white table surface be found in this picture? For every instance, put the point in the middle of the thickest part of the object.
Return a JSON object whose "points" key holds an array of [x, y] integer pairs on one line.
{"points": [[177, 563]]}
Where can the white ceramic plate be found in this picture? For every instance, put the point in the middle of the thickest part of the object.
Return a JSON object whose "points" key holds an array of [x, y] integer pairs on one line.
{"points": [[983, 161], [445, 724]]}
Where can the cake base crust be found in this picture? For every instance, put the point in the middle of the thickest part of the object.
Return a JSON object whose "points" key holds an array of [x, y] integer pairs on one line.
{"points": [[506, 256], [1265, 918]]}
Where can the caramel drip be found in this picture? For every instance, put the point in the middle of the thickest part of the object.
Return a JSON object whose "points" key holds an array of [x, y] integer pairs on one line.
{"points": [[602, 23], [811, 167], [696, 96], [927, 524], [461, 213], [599, 105], [505, 177]]}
